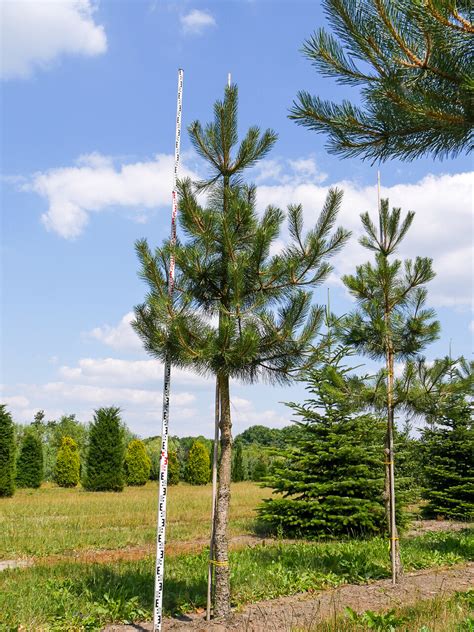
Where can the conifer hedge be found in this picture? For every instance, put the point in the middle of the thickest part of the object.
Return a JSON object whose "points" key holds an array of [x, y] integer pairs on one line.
{"points": [[137, 463], [68, 464], [197, 470], [29, 467], [7, 453], [105, 455]]}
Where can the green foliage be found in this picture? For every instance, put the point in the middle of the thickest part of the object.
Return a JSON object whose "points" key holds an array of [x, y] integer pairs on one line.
{"points": [[331, 482], [238, 464], [7, 453], [30, 462], [448, 460], [105, 455], [198, 466], [68, 464], [174, 469], [412, 62], [137, 463], [259, 470]]}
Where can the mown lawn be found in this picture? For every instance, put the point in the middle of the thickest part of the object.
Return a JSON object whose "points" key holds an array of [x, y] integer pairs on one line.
{"points": [[53, 520], [77, 596]]}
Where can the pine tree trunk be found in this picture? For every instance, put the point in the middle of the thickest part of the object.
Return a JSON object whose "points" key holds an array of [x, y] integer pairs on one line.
{"points": [[221, 544], [396, 562]]}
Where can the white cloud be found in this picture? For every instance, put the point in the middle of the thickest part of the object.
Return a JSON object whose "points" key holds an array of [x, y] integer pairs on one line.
{"points": [[290, 172], [35, 33], [442, 228], [96, 184], [121, 337], [195, 22]]}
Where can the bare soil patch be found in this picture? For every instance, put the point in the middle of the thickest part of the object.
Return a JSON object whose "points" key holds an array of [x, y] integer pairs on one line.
{"points": [[306, 610]]}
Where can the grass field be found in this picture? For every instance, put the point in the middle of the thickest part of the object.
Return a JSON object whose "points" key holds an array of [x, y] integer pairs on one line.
{"points": [[60, 593], [54, 520]]}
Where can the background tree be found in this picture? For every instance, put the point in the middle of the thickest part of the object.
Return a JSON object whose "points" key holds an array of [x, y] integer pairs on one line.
{"points": [[174, 469], [198, 467], [444, 398], [331, 481], [259, 469], [137, 463], [224, 270], [412, 60], [238, 474], [7, 453], [68, 464], [391, 322], [29, 467], [105, 454]]}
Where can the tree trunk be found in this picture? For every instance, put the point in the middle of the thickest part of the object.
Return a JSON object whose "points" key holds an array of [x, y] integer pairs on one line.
{"points": [[210, 574], [221, 544], [396, 562]]}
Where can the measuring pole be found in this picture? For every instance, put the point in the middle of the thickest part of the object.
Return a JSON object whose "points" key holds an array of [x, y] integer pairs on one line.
{"points": [[163, 482]]}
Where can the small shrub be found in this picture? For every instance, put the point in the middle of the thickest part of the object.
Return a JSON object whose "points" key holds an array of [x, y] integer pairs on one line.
{"points": [[7, 453], [137, 463], [198, 466], [105, 453], [68, 464], [30, 462], [173, 468]]}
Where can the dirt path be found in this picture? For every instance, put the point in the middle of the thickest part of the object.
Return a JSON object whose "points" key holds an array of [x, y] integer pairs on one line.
{"points": [[304, 611]]}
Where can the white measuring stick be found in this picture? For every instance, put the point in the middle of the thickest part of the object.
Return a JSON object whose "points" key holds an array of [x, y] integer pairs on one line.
{"points": [[163, 482]]}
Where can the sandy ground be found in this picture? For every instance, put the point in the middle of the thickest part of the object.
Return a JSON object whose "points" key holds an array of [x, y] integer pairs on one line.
{"points": [[304, 611]]}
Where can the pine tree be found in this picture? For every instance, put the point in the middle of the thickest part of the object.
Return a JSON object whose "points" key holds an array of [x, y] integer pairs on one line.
{"points": [[105, 455], [30, 462], [7, 453], [412, 61], [137, 463], [68, 464], [224, 270], [198, 467], [392, 323], [237, 464], [174, 468], [331, 482]]}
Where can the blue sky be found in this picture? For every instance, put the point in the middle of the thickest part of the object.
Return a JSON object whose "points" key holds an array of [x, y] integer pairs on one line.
{"points": [[88, 109]]}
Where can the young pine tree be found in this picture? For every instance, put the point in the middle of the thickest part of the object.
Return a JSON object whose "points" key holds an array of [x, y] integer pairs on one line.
{"points": [[137, 463], [198, 470], [7, 453], [238, 474], [104, 464], [225, 273], [412, 63], [174, 468], [331, 482], [29, 467], [391, 323], [68, 464]]}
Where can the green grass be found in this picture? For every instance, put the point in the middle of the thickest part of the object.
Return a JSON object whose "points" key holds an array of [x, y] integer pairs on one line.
{"points": [[53, 520], [443, 614], [67, 596]]}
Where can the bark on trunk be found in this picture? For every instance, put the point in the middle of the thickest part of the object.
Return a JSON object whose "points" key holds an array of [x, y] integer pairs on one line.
{"points": [[221, 545], [395, 558], [210, 574]]}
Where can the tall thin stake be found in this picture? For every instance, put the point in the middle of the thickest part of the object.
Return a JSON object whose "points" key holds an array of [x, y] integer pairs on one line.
{"points": [[163, 482]]}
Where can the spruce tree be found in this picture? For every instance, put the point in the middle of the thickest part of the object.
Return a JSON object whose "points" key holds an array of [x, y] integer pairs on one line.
{"points": [[174, 468], [331, 482], [198, 466], [444, 397], [391, 323], [225, 272], [68, 464], [29, 467], [237, 464], [7, 453], [412, 61], [105, 455], [137, 463]]}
